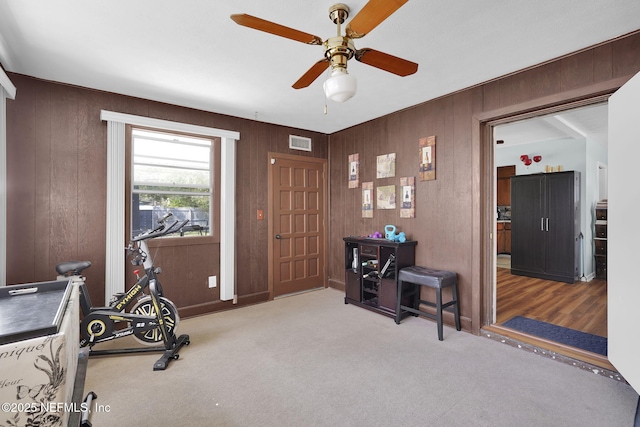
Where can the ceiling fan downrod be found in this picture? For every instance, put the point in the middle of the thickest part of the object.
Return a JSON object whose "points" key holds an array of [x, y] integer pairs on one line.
{"points": [[339, 49]]}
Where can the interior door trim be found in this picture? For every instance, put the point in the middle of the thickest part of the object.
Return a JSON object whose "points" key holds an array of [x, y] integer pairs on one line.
{"points": [[484, 200]]}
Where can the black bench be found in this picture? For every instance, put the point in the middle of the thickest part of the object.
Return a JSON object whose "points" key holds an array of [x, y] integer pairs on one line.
{"points": [[436, 279]]}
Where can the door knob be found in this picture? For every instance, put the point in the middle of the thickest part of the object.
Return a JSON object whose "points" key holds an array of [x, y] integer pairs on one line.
{"points": [[278, 236]]}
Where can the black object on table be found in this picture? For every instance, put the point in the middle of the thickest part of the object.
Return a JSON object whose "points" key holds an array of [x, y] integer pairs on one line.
{"points": [[32, 310]]}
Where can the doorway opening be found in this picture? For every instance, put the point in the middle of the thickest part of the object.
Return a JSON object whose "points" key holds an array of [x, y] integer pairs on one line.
{"points": [[564, 139]]}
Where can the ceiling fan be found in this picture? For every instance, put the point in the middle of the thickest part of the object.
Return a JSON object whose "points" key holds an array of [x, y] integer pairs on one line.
{"points": [[339, 49]]}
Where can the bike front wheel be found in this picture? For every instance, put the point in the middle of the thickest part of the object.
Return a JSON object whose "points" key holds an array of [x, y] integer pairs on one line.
{"points": [[169, 314]]}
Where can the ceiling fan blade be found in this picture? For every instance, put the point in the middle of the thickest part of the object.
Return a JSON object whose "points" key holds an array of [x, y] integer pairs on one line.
{"points": [[312, 74], [372, 14], [276, 29], [386, 62]]}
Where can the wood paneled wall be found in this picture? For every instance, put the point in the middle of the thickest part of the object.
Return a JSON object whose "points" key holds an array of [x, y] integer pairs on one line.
{"points": [[448, 224], [56, 155]]}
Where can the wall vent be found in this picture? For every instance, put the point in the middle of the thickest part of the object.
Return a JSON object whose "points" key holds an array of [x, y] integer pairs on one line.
{"points": [[299, 143]]}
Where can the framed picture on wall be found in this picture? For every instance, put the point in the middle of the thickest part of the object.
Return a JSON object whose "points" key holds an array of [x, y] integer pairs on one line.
{"points": [[408, 192], [354, 170], [386, 197], [386, 166], [367, 200], [427, 152]]}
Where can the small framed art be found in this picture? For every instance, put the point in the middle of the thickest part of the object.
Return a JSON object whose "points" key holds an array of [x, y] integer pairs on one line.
{"points": [[427, 150]]}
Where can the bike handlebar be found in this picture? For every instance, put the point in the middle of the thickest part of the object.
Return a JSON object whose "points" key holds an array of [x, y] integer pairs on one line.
{"points": [[162, 230]]}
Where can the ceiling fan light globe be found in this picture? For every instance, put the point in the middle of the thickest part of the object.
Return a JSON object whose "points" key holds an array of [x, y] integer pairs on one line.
{"points": [[341, 86]]}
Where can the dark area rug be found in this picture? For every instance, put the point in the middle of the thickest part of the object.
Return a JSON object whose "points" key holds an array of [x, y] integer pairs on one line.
{"points": [[571, 337]]}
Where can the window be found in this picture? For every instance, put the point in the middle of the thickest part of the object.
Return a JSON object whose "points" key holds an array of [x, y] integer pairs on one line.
{"points": [[171, 173]]}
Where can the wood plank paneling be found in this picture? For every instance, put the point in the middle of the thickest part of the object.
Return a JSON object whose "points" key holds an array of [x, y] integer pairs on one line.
{"points": [[625, 59], [64, 175], [21, 208], [577, 70], [602, 63], [187, 288], [42, 192], [544, 80], [91, 199]]}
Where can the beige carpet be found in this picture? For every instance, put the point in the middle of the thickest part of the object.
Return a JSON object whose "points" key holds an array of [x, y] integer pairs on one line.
{"points": [[311, 360]]}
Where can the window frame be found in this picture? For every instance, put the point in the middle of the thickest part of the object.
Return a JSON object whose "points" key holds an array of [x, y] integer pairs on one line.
{"points": [[214, 205]]}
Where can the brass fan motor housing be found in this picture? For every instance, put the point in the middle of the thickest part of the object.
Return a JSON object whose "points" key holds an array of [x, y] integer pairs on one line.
{"points": [[338, 50]]}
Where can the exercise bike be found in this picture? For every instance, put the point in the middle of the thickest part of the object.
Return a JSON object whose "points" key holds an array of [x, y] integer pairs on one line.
{"points": [[152, 320]]}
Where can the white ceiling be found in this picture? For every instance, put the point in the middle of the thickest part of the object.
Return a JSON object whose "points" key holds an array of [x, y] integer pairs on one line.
{"points": [[590, 122], [191, 53]]}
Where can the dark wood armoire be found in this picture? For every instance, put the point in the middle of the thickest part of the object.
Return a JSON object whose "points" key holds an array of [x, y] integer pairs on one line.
{"points": [[545, 226]]}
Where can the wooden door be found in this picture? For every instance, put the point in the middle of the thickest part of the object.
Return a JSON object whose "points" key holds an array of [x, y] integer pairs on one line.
{"points": [[298, 237], [527, 213]]}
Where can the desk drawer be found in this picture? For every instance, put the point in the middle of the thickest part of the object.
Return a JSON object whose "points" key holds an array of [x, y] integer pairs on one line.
{"points": [[368, 250]]}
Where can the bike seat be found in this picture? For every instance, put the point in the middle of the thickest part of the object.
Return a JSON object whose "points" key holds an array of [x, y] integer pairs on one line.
{"points": [[73, 267]]}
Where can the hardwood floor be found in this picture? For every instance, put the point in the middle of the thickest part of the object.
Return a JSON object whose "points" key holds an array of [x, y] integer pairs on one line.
{"points": [[581, 306]]}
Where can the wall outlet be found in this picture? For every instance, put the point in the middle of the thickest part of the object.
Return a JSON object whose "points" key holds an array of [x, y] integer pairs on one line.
{"points": [[213, 281]]}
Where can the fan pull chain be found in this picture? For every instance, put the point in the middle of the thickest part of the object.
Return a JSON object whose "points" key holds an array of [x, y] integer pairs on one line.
{"points": [[327, 73], [325, 102]]}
